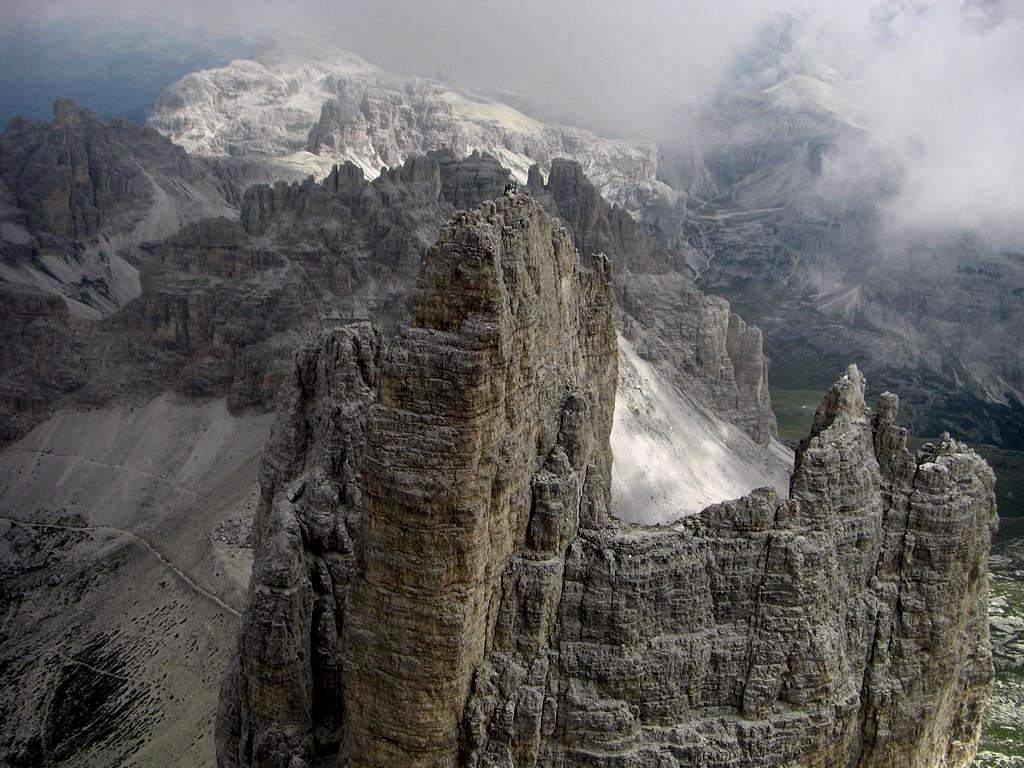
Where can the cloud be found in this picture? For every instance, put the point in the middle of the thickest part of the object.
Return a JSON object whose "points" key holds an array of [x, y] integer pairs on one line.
{"points": [[947, 98], [608, 64], [939, 84], [940, 88]]}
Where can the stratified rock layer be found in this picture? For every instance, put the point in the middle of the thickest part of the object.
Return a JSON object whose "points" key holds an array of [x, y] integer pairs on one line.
{"points": [[439, 581], [844, 626]]}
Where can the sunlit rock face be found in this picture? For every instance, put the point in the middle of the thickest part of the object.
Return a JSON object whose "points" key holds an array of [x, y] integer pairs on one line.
{"points": [[437, 528], [305, 114]]}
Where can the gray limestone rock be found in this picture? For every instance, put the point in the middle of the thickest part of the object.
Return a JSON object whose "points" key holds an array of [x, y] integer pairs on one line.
{"points": [[281, 697], [844, 626], [78, 176]]}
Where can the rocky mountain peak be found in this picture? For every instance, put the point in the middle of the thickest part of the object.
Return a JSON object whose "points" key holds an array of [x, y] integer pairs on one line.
{"points": [[499, 391], [439, 579], [319, 110], [845, 400], [79, 177], [67, 113]]}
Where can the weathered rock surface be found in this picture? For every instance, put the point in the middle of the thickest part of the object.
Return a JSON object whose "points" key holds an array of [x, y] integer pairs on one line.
{"points": [[461, 595], [78, 178], [760, 632], [39, 355], [285, 685], [506, 379], [77, 197], [501, 392]]}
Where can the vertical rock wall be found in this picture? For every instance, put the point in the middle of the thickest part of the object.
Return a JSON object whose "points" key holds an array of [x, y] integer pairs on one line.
{"points": [[844, 626], [282, 695], [506, 373]]}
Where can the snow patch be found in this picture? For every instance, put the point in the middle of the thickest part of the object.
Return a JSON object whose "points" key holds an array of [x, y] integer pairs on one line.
{"points": [[274, 110]]}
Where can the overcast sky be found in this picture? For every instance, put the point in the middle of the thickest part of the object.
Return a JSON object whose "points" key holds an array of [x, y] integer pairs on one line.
{"points": [[939, 83], [607, 63]]}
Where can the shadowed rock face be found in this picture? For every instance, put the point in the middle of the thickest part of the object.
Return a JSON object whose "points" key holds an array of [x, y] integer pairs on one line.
{"points": [[598, 226], [282, 694], [78, 176], [71, 175], [77, 197], [39, 355], [439, 582]]}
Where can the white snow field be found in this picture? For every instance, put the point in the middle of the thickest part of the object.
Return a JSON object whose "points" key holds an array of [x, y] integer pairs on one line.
{"points": [[306, 114]]}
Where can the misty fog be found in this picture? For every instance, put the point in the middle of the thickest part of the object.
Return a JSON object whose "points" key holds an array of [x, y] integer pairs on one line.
{"points": [[937, 86]]}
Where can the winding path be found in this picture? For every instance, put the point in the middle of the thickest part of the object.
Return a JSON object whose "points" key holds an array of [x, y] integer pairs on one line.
{"points": [[142, 543]]}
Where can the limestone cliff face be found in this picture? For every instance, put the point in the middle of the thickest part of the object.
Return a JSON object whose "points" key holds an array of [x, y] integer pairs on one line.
{"points": [[501, 389], [78, 176], [40, 355], [844, 626], [439, 581], [77, 197], [598, 226], [300, 115], [69, 176], [282, 695]]}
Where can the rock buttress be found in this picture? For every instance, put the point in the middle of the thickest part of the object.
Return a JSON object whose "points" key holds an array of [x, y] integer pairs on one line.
{"points": [[503, 385], [281, 697], [398, 483]]}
